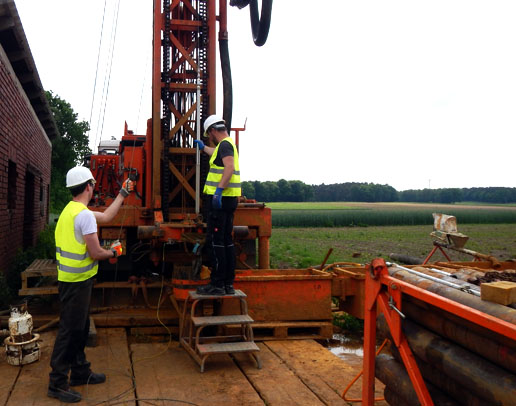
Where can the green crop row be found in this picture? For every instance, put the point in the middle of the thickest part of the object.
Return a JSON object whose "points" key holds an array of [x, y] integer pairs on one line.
{"points": [[385, 217]]}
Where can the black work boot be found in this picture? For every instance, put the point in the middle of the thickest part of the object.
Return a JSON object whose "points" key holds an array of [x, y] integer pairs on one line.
{"points": [[211, 290], [64, 395], [230, 290], [91, 379]]}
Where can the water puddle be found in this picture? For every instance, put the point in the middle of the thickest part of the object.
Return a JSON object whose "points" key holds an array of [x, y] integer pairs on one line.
{"points": [[348, 348]]}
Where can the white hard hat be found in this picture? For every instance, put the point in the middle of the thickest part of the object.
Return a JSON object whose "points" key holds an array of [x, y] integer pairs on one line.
{"points": [[77, 176], [213, 120]]}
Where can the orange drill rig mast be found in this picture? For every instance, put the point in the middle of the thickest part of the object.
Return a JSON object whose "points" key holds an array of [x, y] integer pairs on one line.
{"points": [[162, 223]]}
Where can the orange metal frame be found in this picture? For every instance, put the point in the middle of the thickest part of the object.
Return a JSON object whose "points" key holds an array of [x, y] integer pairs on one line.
{"points": [[385, 292], [436, 247]]}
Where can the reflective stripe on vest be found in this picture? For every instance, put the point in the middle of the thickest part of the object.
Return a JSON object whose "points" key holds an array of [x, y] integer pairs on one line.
{"points": [[74, 263], [215, 174]]}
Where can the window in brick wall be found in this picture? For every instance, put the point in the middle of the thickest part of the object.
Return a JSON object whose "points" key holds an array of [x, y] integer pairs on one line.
{"points": [[11, 186]]}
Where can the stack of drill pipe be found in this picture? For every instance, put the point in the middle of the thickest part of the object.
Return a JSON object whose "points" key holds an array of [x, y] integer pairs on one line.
{"points": [[452, 277], [502, 312], [462, 375], [472, 365], [398, 387], [468, 274], [494, 347]]}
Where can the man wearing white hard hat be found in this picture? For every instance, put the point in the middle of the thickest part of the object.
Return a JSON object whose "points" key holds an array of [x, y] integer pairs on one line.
{"points": [[78, 251], [223, 186]]}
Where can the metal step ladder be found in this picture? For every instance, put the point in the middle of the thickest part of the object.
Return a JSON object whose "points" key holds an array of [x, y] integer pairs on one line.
{"points": [[193, 322]]}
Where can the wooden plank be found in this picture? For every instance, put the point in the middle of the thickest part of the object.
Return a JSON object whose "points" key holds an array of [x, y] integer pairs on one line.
{"points": [[323, 372], [110, 356], [162, 372], [8, 377], [290, 391], [502, 292], [32, 384]]}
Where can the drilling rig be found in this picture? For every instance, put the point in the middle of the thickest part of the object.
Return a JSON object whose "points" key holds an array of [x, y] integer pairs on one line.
{"points": [[161, 225]]}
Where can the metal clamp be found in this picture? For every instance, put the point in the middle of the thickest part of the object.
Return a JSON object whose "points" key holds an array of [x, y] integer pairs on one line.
{"points": [[392, 305]]}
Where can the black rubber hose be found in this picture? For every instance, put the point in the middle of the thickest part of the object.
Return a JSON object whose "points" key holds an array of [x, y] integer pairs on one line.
{"points": [[260, 26], [227, 85]]}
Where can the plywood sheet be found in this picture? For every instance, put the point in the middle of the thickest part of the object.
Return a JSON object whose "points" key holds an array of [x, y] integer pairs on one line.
{"points": [[111, 356], [8, 376], [163, 372], [275, 382], [32, 383], [322, 371]]}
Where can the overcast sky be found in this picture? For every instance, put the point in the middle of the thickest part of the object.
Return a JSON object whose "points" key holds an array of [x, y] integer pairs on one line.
{"points": [[413, 94]]}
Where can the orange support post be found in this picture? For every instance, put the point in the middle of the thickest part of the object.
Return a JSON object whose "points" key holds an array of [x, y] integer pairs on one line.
{"points": [[389, 302], [386, 292]]}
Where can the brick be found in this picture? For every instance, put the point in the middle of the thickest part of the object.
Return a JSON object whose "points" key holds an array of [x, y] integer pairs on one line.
{"points": [[23, 142], [502, 292]]}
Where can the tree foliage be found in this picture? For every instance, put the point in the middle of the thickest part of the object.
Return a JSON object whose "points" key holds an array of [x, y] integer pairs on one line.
{"points": [[68, 150], [355, 192], [297, 191]]}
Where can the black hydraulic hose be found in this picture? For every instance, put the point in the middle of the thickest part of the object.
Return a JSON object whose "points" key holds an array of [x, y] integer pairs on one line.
{"points": [[260, 26], [227, 84]]}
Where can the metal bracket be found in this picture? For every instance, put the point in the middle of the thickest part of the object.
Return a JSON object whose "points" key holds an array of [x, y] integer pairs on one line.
{"points": [[392, 305]]}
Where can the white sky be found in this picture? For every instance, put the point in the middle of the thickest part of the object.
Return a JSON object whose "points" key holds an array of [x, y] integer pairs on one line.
{"points": [[406, 93]]}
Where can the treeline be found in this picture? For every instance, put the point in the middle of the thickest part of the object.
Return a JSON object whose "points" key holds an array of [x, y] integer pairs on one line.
{"points": [[280, 191], [453, 195], [297, 191]]}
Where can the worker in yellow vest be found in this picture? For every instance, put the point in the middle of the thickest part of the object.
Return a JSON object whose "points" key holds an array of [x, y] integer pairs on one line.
{"points": [[78, 251], [223, 185]]}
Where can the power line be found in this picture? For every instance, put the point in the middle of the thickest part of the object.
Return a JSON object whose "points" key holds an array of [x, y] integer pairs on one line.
{"points": [[107, 77], [97, 68]]}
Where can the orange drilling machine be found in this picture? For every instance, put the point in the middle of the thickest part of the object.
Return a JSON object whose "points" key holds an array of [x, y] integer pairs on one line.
{"points": [[161, 225]]}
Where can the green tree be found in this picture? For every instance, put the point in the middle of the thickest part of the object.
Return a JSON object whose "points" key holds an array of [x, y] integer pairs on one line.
{"points": [[68, 150], [248, 190]]}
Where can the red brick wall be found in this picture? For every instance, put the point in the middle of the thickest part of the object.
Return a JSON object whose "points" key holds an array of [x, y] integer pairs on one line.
{"points": [[23, 142]]}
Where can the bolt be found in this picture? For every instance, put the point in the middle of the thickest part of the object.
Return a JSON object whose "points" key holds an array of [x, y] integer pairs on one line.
{"points": [[394, 286]]}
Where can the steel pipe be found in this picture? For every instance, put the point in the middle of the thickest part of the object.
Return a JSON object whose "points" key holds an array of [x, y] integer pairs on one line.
{"points": [[434, 279], [449, 386], [502, 312], [395, 377], [486, 347], [392, 398], [485, 380]]}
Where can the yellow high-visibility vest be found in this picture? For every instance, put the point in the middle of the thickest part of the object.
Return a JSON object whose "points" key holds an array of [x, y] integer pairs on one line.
{"points": [[74, 263], [215, 174]]}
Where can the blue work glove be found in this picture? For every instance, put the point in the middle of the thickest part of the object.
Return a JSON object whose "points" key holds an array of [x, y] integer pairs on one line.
{"points": [[216, 203], [199, 143]]}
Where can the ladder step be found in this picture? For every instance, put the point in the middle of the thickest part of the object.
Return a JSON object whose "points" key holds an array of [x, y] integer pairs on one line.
{"points": [[218, 348], [195, 296], [221, 320]]}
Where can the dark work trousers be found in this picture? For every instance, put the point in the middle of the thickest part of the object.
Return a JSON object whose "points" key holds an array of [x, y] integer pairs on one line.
{"points": [[74, 326], [219, 242]]}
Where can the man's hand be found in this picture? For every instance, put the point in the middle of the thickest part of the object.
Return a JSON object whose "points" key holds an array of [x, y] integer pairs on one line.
{"points": [[127, 187], [216, 203], [199, 143], [116, 247]]}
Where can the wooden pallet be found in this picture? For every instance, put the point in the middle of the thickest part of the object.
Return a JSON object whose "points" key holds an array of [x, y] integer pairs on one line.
{"points": [[290, 330], [47, 268], [40, 268]]}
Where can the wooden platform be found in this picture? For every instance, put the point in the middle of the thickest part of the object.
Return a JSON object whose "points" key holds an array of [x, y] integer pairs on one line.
{"points": [[299, 372]]}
